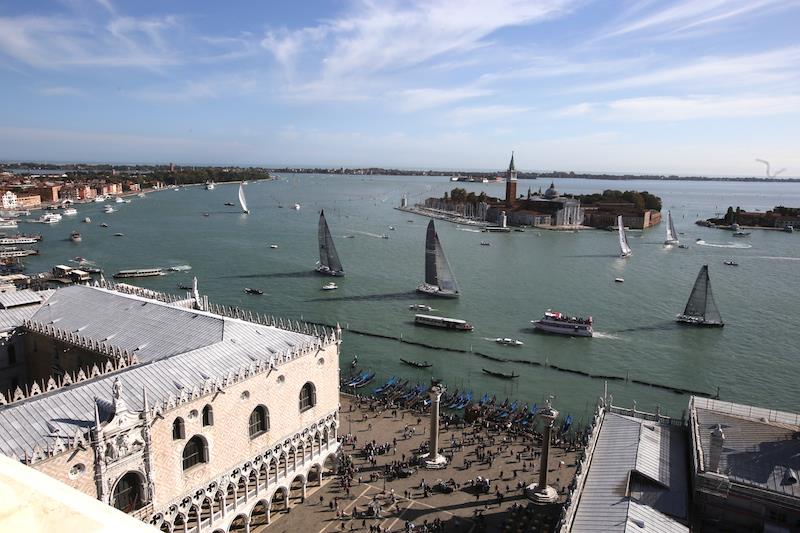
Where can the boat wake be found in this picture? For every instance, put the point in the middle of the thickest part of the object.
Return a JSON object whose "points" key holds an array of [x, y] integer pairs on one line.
{"points": [[179, 268], [368, 234], [601, 335], [778, 258], [740, 246]]}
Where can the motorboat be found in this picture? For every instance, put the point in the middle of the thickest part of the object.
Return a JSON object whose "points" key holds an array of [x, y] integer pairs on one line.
{"points": [[180, 268], [70, 211], [420, 307], [330, 286], [209, 185], [108, 209], [249, 290], [296, 207], [273, 246], [49, 218], [100, 199], [561, 324], [683, 246], [740, 233], [731, 263], [119, 235], [119, 200], [141, 195], [384, 236], [485, 243], [87, 220], [619, 280], [391, 228], [508, 342], [230, 204], [103, 225], [75, 236]]}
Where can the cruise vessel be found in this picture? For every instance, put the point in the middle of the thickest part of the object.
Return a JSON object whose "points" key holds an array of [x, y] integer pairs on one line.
{"points": [[443, 322], [139, 273], [561, 324], [439, 279]]}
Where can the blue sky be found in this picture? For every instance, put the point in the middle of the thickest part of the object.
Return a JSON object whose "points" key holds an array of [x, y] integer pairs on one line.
{"points": [[686, 87]]}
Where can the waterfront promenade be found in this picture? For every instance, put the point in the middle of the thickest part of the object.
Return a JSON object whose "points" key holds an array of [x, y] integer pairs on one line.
{"points": [[509, 462]]}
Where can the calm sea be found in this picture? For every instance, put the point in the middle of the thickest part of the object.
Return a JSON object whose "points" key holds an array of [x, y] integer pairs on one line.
{"points": [[753, 359]]}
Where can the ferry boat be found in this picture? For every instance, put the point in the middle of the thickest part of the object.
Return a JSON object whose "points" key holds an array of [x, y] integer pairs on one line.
{"points": [[75, 236], [561, 324], [139, 273], [70, 211], [7, 224], [19, 239], [443, 322]]}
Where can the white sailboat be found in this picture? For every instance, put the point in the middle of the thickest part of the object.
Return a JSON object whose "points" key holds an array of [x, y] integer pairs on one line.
{"points": [[624, 249], [439, 278], [671, 233], [242, 201]]}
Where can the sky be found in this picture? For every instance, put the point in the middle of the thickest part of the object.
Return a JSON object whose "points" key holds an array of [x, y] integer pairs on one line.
{"points": [[688, 87]]}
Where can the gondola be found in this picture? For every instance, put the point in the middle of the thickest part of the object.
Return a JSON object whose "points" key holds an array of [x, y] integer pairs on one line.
{"points": [[248, 290], [500, 374], [417, 364]]}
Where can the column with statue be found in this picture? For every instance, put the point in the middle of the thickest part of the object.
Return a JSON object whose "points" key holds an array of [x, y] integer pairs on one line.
{"points": [[541, 492], [433, 459]]}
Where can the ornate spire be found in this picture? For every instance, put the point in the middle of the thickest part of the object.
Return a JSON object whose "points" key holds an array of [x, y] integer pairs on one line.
{"points": [[511, 164]]}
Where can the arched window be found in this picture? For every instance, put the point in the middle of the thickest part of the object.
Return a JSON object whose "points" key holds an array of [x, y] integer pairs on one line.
{"points": [[259, 421], [178, 431], [195, 452], [208, 416], [308, 397], [12, 355], [128, 494]]}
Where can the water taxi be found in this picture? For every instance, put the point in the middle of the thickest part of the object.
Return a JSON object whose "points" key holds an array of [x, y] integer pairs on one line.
{"points": [[505, 341], [70, 211], [420, 307], [108, 209], [75, 236], [330, 286], [49, 218], [443, 322]]}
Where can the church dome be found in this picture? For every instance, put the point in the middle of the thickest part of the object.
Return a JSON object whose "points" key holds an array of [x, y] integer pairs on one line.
{"points": [[551, 192]]}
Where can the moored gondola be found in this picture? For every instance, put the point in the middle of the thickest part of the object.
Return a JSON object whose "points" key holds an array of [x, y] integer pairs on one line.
{"points": [[417, 364]]}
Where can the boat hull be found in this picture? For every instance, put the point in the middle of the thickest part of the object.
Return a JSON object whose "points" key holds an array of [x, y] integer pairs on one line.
{"points": [[570, 330], [697, 322], [325, 271], [435, 291]]}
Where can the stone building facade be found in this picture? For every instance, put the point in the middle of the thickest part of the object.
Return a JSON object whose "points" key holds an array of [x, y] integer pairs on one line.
{"points": [[217, 437]]}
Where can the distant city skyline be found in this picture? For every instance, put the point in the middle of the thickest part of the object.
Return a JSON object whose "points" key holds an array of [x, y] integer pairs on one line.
{"points": [[684, 87]]}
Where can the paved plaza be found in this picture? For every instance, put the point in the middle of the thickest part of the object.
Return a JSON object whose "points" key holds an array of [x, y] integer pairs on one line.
{"points": [[508, 462]]}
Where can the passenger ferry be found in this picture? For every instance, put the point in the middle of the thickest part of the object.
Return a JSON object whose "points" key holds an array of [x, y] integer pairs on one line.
{"points": [[139, 273], [561, 324], [443, 322], [49, 218]]}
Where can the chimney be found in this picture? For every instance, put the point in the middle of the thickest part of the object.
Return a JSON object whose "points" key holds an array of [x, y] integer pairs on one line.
{"points": [[715, 449]]}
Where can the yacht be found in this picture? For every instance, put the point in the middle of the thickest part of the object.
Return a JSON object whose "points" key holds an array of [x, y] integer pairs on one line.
{"points": [[330, 286], [50, 218], [561, 324], [70, 211]]}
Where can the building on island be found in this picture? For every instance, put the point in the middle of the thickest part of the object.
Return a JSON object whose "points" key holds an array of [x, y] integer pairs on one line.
{"points": [[9, 200], [604, 215], [186, 415]]}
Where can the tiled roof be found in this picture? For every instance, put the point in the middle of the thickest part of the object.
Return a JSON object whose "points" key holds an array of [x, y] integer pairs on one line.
{"points": [[13, 317], [163, 372], [15, 298]]}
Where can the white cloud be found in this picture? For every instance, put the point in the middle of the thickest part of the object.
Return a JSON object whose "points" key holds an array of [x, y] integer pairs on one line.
{"points": [[424, 98], [691, 15], [675, 108], [487, 113]]}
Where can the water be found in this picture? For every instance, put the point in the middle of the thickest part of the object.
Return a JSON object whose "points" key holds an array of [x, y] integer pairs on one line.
{"points": [[754, 359]]}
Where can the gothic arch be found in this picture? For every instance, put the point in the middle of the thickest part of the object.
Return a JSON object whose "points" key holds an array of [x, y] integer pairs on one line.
{"points": [[129, 493], [239, 523], [259, 515]]}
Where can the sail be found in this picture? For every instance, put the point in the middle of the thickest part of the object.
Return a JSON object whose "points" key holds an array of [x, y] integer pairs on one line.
{"points": [[242, 201], [623, 239], [671, 233], [327, 251], [701, 302], [437, 268]]}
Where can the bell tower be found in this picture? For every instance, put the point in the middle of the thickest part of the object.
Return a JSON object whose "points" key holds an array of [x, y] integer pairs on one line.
{"points": [[511, 183]]}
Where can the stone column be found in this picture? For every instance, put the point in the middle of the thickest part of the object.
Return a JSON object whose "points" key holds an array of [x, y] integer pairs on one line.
{"points": [[541, 493], [433, 459]]}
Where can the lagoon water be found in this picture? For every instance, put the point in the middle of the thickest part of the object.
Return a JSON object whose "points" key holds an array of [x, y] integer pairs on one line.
{"points": [[754, 359]]}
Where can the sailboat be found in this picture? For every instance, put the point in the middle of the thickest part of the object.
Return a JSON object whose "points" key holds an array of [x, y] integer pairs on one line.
{"points": [[671, 233], [439, 279], [329, 263], [624, 249], [242, 201], [701, 310]]}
